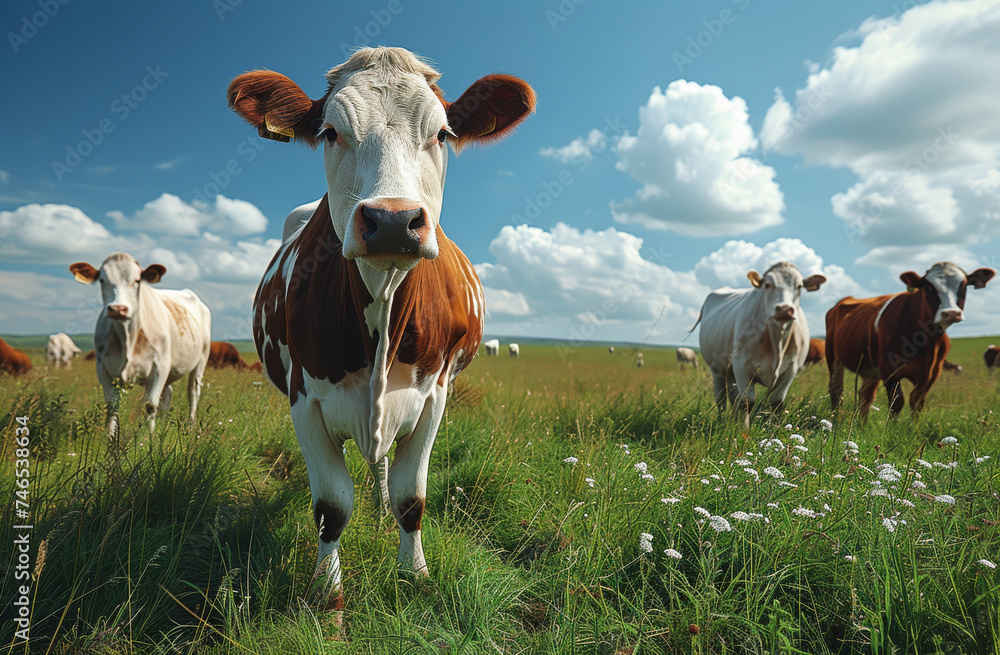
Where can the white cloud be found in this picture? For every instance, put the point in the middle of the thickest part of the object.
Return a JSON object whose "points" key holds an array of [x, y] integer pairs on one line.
{"points": [[909, 105], [168, 214], [690, 156], [594, 285], [53, 234], [4, 177], [579, 150]]}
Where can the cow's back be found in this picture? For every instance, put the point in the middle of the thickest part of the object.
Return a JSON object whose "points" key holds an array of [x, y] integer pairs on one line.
{"points": [[720, 316], [12, 360]]}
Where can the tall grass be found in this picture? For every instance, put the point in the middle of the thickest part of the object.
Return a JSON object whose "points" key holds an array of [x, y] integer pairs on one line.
{"points": [[545, 473]]}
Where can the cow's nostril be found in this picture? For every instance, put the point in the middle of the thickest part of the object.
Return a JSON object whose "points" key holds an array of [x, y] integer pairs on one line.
{"points": [[368, 223], [417, 223]]}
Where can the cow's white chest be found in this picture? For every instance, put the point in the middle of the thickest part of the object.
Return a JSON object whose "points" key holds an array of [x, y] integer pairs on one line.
{"points": [[346, 405]]}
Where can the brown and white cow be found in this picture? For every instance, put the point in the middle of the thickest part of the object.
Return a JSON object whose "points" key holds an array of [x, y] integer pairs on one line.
{"points": [[12, 360], [817, 351], [146, 335], [899, 336], [368, 311], [60, 350], [225, 355]]}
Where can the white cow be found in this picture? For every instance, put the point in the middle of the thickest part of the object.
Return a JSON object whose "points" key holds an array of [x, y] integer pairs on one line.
{"points": [[686, 356], [492, 347], [611, 349], [146, 335], [756, 335], [60, 350], [638, 360], [514, 350]]}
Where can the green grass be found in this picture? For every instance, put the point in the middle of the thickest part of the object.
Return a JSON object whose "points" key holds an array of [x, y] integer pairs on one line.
{"points": [[203, 540]]}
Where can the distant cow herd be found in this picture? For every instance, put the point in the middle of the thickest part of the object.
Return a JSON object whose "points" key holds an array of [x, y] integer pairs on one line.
{"points": [[368, 312]]}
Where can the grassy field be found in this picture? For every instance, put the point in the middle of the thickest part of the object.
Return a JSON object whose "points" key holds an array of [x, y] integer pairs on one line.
{"points": [[576, 504]]}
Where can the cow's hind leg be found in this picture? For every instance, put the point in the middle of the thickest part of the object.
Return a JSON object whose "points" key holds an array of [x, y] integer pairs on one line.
{"points": [[720, 383], [333, 499], [408, 482], [894, 388], [194, 390]]}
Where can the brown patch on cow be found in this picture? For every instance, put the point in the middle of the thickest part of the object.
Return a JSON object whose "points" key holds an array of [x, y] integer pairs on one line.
{"points": [[817, 351], [992, 357], [90, 356], [411, 511], [141, 341], [330, 520], [12, 360], [180, 314]]}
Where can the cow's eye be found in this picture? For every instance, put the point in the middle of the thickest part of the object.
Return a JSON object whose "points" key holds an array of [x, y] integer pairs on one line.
{"points": [[442, 135], [330, 134], [767, 285]]}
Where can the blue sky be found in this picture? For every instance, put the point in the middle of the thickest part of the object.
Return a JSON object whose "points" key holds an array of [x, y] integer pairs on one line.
{"points": [[676, 146]]}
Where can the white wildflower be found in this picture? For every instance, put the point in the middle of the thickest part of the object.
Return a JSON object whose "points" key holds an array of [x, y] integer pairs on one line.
{"points": [[645, 542], [705, 481], [783, 483], [704, 512], [988, 564], [838, 476], [670, 501], [850, 445], [740, 516], [590, 481], [878, 491], [890, 524], [951, 465], [802, 511], [980, 460], [917, 484], [773, 505], [945, 498], [788, 426], [742, 462], [670, 552], [774, 473], [925, 463], [571, 460], [719, 524], [949, 441], [752, 472], [797, 438], [801, 449], [889, 474], [825, 424], [648, 477], [905, 502], [641, 468], [850, 558]]}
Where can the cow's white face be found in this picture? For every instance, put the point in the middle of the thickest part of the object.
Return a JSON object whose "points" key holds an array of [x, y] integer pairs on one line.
{"points": [[780, 289], [385, 158], [949, 283], [119, 277]]}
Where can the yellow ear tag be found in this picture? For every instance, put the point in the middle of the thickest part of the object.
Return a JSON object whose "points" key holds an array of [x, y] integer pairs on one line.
{"points": [[275, 132], [490, 128]]}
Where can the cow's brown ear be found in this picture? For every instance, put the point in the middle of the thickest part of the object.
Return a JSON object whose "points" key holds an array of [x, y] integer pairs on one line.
{"points": [[153, 273], [979, 277], [84, 272], [911, 280], [813, 282], [276, 106], [754, 278], [489, 110]]}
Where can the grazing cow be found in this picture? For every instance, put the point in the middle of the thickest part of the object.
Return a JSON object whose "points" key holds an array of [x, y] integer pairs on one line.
{"points": [[492, 347], [147, 335], [757, 335], [638, 360], [514, 350], [817, 351], [992, 357], [91, 355], [687, 356], [60, 350], [611, 349], [898, 336], [953, 367], [12, 360], [368, 311], [224, 355]]}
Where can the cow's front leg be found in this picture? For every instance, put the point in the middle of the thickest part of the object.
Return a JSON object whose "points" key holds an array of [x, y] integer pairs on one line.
{"points": [[746, 394], [780, 390], [194, 390], [332, 495], [112, 399], [156, 387], [408, 482]]}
